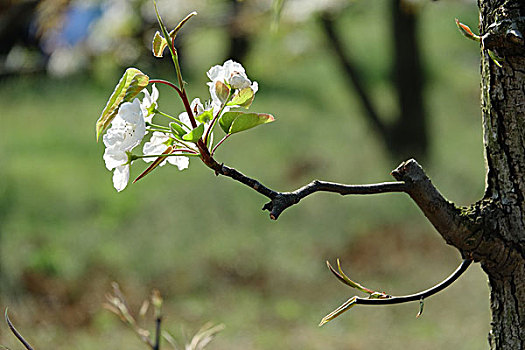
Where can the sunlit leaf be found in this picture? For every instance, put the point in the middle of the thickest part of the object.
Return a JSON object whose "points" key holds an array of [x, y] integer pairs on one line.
{"points": [[250, 120], [227, 119], [159, 42], [195, 134], [495, 58], [243, 98], [158, 45], [130, 85], [234, 122], [163, 29], [174, 32]]}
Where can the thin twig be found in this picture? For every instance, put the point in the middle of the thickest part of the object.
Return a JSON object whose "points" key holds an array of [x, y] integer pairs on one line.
{"points": [[158, 332], [421, 295], [385, 299], [16, 333], [219, 143]]}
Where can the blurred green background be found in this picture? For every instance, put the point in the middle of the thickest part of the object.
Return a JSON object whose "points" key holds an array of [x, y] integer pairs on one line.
{"points": [[203, 240]]}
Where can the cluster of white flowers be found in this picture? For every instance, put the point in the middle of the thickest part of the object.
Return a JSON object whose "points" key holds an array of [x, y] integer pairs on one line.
{"points": [[230, 73], [129, 127]]}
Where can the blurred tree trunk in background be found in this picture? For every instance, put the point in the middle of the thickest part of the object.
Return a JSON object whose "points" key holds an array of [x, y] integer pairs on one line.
{"points": [[237, 35], [15, 21], [407, 135]]}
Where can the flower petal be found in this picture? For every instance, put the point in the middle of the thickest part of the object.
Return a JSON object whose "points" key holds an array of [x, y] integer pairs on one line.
{"points": [[156, 145], [121, 177], [180, 162], [114, 157]]}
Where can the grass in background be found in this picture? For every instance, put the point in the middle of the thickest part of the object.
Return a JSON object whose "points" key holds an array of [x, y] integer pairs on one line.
{"points": [[203, 240]]}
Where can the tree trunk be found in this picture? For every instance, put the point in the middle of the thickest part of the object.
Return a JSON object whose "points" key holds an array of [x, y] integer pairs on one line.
{"points": [[503, 110], [238, 36], [408, 136]]}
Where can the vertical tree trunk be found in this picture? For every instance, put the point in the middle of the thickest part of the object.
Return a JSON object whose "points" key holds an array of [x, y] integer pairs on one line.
{"points": [[409, 134], [503, 110], [239, 38]]}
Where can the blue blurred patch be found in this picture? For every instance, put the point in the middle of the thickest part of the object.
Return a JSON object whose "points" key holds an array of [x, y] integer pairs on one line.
{"points": [[78, 20]]}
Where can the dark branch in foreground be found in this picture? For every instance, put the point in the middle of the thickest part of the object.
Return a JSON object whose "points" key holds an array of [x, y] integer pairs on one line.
{"points": [[238, 176], [283, 200], [412, 180], [16, 333], [385, 299], [279, 201]]}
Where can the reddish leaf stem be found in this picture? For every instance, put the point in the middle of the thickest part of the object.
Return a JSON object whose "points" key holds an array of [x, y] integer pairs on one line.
{"points": [[219, 143], [165, 82]]}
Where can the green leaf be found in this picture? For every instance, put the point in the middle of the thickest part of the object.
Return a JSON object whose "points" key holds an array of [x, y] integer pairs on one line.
{"points": [[227, 119], [174, 32], [234, 122], [164, 30], [129, 86], [250, 120], [204, 117], [243, 98], [495, 58], [176, 129], [195, 134], [158, 44]]}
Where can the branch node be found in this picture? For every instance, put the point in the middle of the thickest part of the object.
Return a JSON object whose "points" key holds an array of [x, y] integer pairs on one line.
{"points": [[409, 171]]}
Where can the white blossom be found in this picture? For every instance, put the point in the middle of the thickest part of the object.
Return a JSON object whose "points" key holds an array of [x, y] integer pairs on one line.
{"points": [[157, 145], [197, 108], [149, 102], [126, 132], [230, 73]]}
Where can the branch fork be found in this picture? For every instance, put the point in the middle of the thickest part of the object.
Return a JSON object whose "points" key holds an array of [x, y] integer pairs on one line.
{"points": [[450, 221]]}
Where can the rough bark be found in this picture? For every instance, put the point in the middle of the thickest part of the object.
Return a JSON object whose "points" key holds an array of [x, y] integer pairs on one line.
{"points": [[503, 109]]}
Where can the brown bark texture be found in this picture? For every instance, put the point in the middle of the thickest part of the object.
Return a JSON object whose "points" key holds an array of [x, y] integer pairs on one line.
{"points": [[502, 27]]}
